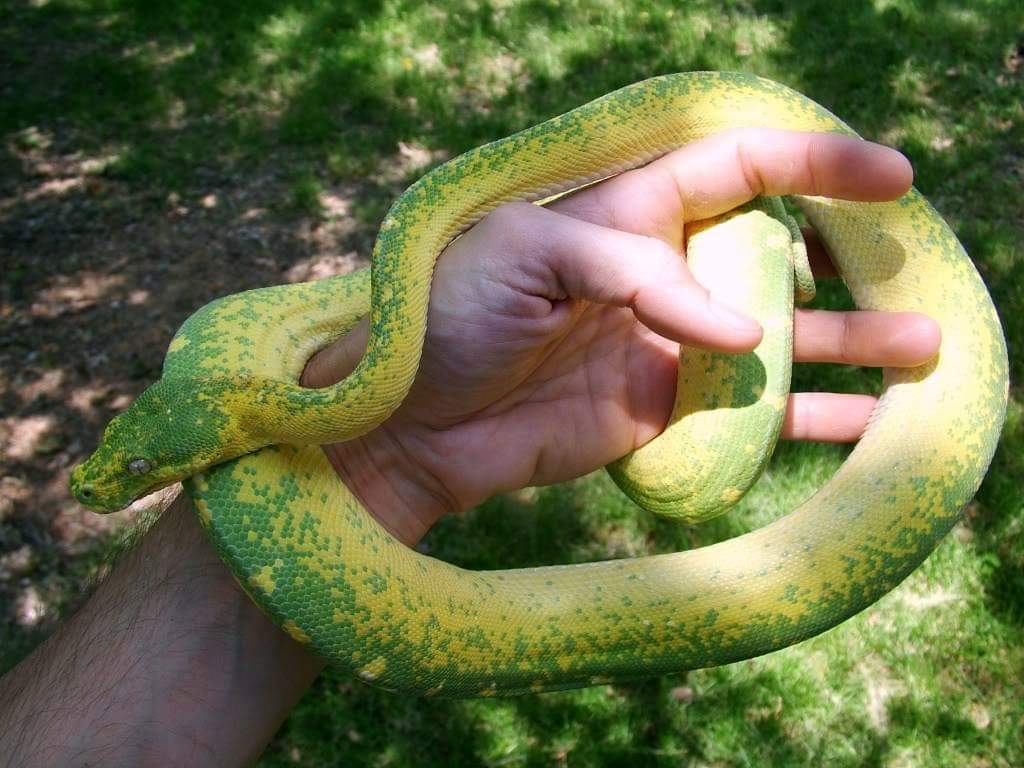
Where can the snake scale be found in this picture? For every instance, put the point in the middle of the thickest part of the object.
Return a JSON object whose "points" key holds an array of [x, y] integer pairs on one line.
{"points": [[228, 416], [728, 409]]}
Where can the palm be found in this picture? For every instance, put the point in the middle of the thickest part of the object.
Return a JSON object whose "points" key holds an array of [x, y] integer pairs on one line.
{"points": [[545, 407], [541, 361]]}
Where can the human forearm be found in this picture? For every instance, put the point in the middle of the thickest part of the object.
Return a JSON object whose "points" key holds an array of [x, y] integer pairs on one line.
{"points": [[148, 670]]}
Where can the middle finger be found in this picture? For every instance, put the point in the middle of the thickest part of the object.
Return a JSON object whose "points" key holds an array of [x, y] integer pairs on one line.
{"points": [[900, 339]]}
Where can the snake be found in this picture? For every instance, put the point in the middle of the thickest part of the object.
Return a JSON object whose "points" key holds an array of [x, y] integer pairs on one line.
{"points": [[728, 409], [228, 417]]}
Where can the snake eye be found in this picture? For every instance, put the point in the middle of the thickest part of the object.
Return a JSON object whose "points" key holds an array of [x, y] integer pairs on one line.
{"points": [[139, 466]]}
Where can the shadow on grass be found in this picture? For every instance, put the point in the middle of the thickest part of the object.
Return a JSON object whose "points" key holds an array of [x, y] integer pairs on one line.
{"points": [[653, 722]]}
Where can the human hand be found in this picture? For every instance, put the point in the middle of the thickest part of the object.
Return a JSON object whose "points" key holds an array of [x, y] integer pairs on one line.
{"points": [[553, 332]]}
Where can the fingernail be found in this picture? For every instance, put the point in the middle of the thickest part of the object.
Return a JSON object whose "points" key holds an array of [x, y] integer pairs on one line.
{"points": [[732, 318]]}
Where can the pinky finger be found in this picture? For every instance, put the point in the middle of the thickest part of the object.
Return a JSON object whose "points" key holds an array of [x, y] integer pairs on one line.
{"points": [[826, 417]]}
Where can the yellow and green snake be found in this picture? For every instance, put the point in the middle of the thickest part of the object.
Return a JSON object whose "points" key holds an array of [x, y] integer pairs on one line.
{"points": [[229, 416]]}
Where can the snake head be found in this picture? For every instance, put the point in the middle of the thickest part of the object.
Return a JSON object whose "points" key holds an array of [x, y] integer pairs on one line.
{"points": [[172, 431]]}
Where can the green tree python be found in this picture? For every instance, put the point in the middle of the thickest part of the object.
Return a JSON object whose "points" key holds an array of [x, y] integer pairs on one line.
{"points": [[229, 417]]}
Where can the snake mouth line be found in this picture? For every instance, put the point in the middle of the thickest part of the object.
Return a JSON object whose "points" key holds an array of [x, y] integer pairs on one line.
{"points": [[151, 493], [107, 509]]}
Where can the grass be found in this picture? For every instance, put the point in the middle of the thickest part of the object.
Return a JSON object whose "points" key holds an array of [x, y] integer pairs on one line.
{"points": [[304, 194], [182, 91]]}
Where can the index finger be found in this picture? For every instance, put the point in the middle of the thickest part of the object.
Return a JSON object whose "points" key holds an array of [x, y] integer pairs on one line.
{"points": [[720, 172]]}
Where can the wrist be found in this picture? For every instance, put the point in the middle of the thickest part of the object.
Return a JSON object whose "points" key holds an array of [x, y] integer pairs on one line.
{"points": [[383, 474], [378, 468]]}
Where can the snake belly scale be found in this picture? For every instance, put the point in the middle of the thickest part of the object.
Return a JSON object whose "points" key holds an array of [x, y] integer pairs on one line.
{"points": [[228, 414]]}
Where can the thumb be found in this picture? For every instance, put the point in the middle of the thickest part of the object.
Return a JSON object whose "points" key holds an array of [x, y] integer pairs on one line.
{"points": [[337, 360], [607, 266]]}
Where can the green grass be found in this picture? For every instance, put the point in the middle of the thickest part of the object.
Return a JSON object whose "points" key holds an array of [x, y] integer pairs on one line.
{"points": [[304, 194], [182, 90]]}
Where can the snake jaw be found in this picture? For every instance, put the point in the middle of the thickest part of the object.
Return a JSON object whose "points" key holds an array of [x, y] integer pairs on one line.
{"points": [[110, 491], [105, 483], [96, 491]]}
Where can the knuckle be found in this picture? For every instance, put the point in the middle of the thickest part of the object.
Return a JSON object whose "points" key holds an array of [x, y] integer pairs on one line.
{"points": [[813, 154], [511, 225], [749, 171], [509, 215], [847, 340]]}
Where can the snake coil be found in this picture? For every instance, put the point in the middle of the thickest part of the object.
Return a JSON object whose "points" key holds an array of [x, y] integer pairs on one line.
{"points": [[228, 414]]}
